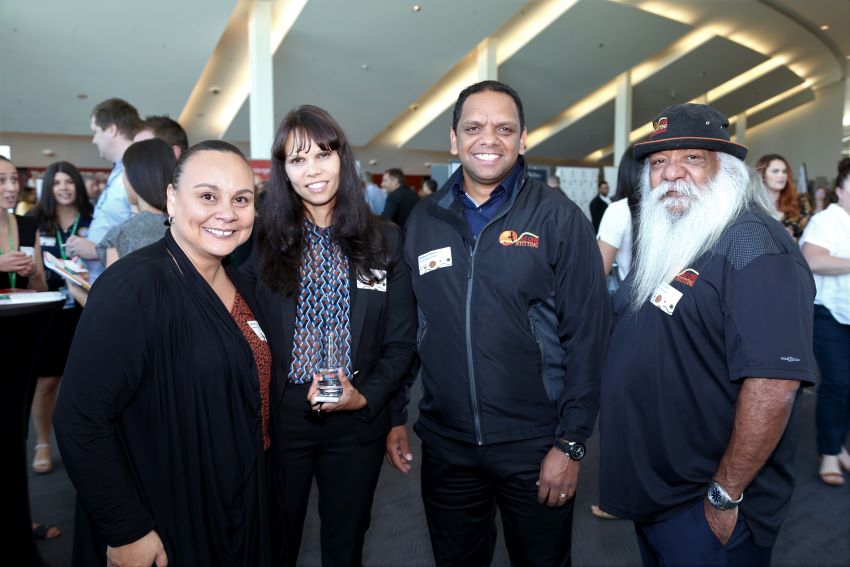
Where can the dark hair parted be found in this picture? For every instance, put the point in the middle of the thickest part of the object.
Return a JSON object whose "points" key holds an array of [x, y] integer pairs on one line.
{"points": [[168, 130], [45, 209], [149, 165], [281, 228], [484, 86], [432, 185], [205, 146], [119, 112]]}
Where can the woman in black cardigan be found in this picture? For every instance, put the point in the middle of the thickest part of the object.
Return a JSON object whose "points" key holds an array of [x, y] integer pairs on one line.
{"points": [[326, 265], [162, 419]]}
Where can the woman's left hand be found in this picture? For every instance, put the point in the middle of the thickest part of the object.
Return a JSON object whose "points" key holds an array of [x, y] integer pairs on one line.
{"points": [[350, 400]]}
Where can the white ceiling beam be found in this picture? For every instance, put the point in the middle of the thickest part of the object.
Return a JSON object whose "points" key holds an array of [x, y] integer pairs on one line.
{"points": [[225, 82]]}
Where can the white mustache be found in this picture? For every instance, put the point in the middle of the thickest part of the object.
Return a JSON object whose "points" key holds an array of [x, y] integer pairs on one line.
{"points": [[684, 188]]}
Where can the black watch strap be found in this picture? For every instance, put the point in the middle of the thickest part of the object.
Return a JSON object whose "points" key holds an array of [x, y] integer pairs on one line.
{"points": [[572, 449]]}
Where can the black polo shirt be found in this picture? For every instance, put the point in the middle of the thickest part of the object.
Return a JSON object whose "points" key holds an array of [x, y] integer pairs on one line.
{"points": [[673, 373]]}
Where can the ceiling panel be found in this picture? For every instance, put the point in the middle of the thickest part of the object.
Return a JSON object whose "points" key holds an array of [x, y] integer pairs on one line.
{"points": [[144, 52], [406, 52], [585, 48], [593, 131], [704, 68], [434, 136], [751, 94], [802, 97]]}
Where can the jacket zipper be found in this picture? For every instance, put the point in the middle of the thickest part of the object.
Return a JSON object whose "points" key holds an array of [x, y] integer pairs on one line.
{"points": [[470, 277], [473, 390]]}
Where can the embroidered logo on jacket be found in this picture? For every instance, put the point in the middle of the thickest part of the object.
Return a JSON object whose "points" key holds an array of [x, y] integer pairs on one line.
{"points": [[526, 239], [687, 276]]}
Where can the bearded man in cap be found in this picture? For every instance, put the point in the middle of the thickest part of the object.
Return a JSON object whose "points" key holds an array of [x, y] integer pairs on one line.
{"points": [[712, 340]]}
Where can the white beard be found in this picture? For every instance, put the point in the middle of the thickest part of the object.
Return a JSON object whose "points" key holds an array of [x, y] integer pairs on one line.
{"points": [[675, 231]]}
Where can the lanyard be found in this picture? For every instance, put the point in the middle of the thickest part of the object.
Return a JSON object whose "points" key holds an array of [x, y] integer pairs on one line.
{"points": [[72, 233], [13, 276]]}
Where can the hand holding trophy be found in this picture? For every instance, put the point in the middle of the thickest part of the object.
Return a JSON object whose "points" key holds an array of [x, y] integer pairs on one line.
{"points": [[331, 390]]}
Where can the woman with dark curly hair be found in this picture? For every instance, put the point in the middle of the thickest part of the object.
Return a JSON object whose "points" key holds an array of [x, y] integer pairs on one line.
{"points": [[792, 210], [326, 267], [63, 211]]}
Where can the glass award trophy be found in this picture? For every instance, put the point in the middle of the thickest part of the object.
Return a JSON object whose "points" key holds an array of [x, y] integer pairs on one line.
{"points": [[330, 388]]}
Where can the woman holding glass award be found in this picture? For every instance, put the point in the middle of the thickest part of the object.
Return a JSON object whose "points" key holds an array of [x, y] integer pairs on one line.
{"points": [[332, 278]]}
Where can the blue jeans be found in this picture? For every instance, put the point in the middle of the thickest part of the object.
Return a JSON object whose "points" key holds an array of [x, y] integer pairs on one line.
{"points": [[686, 540], [832, 351]]}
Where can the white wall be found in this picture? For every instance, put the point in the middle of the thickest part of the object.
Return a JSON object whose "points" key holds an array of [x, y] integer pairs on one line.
{"points": [[810, 133]]}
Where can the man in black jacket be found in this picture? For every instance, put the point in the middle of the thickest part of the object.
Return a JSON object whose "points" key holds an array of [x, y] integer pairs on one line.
{"points": [[513, 320], [599, 204], [400, 198]]}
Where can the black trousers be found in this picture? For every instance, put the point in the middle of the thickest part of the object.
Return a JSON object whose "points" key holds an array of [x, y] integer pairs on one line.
{"points": [[325, 446], [462, 484]]}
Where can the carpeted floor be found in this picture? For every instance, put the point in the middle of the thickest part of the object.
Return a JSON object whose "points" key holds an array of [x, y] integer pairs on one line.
{"points": [[816, 533]]}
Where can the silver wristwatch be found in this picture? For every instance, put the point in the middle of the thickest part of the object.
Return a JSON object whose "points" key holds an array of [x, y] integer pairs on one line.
{"points": [[719, 498]]}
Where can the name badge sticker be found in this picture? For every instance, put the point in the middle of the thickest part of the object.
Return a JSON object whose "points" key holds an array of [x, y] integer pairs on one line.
{"points": [[434, 260], [257, 330], [48, 240], [378, 284], [666, 297]]}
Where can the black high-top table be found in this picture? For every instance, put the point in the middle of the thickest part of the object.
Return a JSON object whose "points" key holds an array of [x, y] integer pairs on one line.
{"points": [[21, 340]]}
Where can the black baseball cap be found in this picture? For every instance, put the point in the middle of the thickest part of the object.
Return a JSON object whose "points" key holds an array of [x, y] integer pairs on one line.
{"points": [[689, 126]]}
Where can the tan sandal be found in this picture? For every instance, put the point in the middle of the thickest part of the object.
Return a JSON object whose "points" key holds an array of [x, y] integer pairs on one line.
{"points": [[42, 464]]}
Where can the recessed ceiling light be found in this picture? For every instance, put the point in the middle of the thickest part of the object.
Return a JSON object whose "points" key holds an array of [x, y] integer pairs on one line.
{"points": [[373, 162], [416, 8], [413, 107], [48, 153], [82, 96], [215, 90], [365, 67], [824, 27]]}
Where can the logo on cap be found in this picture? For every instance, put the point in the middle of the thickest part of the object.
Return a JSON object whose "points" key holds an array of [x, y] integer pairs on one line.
{"points": [[659, 126]]}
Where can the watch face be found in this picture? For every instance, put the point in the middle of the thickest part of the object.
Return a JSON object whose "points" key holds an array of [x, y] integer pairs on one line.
{"points": [[577, 451], [714, 496]]}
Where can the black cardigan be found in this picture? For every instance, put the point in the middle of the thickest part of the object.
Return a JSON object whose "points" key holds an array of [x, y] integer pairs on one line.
{"points": [[158, 420]]}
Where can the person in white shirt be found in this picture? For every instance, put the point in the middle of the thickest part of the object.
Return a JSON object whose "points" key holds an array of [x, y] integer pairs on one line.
{"points": [[826, 247], [615, 230]]}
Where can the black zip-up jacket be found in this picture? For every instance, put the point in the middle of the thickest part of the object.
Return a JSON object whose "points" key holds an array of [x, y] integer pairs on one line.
{"points": [[512, 334]]}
